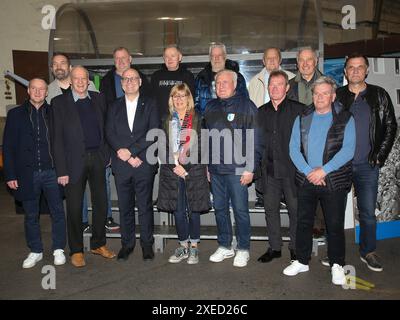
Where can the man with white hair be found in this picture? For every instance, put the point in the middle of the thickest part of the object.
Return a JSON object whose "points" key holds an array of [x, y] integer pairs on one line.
{"points": [[300, 85], [232, 115], [205, 83]]}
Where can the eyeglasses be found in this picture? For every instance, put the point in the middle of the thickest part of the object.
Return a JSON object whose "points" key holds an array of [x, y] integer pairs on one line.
{"points": [[179, 96], [132, 79]]}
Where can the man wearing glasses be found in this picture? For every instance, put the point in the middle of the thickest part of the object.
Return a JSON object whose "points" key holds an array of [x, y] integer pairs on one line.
{"points": [[129, 119]]}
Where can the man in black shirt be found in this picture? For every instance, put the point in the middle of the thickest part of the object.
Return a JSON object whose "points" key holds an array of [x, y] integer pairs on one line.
{"points": [[277, 118]]}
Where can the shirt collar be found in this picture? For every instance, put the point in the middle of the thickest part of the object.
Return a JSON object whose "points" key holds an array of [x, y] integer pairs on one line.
{"points": [[77, 97]]}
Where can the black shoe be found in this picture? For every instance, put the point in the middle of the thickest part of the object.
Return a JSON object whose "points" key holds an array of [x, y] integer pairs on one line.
{"points": [[111, 225], [124, 253], [148, 253], [292, 255], [269, 255], [325, 262], [85, 227], [259, 203], [371, 259]]}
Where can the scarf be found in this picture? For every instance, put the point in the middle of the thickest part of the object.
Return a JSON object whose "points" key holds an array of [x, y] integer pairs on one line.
{"points": [[180, 135]]}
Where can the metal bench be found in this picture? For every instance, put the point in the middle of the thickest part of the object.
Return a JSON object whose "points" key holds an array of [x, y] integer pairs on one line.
{"points": [[164, 232]]}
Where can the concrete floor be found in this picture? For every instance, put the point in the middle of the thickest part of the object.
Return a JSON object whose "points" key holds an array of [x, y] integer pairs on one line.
{"points": [[136, 279]]}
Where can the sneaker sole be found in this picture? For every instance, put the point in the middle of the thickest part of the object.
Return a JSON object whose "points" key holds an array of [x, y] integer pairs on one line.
{"points": [[292, 275], [177, 261], [324, 263], [31, 266], [225, 257], [240, 265], [60, 263], [369, 267], [192, 262], [342, 283]]}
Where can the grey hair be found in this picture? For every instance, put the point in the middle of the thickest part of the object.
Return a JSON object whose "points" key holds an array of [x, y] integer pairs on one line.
{"points": [[232, 73], [172, 46], [80, 67], [217, 45], [324, 80], [306, 49]]}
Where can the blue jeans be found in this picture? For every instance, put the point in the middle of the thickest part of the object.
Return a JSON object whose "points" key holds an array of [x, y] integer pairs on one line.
{"points": [[45, 181], [223, 188], [85, 217], [365, 179], [187, 227]]}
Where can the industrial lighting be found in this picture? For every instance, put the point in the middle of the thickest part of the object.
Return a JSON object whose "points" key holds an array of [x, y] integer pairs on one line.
{"points": [[172, 19]]}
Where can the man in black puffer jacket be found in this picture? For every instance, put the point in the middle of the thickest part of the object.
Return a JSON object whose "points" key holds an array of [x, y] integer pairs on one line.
{"points": [[376, 130]]}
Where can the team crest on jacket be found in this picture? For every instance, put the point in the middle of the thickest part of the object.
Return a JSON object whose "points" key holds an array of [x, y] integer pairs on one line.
{"points": [[230, 116]]}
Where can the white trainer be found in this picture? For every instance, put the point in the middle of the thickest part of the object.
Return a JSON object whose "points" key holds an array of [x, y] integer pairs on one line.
{"points": [[241, 258], [59, 257], [338, 276], [221, 254], [32, 259], [295, 268]]}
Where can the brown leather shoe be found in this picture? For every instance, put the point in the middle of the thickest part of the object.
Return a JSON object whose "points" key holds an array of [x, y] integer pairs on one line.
{"points": [[104, 252], [78, 260]]}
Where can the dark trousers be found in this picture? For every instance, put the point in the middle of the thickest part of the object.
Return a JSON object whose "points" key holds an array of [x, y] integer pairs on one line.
{"points": [[187, 223], [94, 173], [333, 205], [45, 181], [274, 188], [259, 185], [136, 188]]}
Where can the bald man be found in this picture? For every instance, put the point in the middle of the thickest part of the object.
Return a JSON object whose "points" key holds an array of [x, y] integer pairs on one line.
{"points": [[81, 154], [29, 170]]}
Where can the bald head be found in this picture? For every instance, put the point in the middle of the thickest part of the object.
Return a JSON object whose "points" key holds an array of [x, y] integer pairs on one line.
{"points": [[80, 80]]}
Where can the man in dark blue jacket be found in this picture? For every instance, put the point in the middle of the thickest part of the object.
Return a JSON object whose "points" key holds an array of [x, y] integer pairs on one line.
{"points": [[235, 152], [205, 82], [29, 170]]}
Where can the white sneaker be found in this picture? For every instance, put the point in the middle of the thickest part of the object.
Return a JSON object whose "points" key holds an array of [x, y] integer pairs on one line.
{"points": [[32, 259], [59, 257], [338, 276], [221, 254], [295, 268], [241, 258]]}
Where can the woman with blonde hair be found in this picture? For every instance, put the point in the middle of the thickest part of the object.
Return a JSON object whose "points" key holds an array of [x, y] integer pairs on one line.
{"points": [[183, 186]]}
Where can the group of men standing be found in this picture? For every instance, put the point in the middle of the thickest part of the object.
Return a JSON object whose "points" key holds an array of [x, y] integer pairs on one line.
{"points": [[310, 144]]}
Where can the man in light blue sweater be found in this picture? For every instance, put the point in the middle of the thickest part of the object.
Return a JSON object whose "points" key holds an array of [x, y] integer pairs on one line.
{"points": [[321, 147]]}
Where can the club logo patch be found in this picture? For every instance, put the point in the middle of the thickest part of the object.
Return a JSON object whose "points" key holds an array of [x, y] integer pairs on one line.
{"points": [[230, 116]]}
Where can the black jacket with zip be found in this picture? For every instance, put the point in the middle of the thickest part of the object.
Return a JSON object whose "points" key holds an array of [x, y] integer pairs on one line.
{"points": [[18, 149], [383, 125]]}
